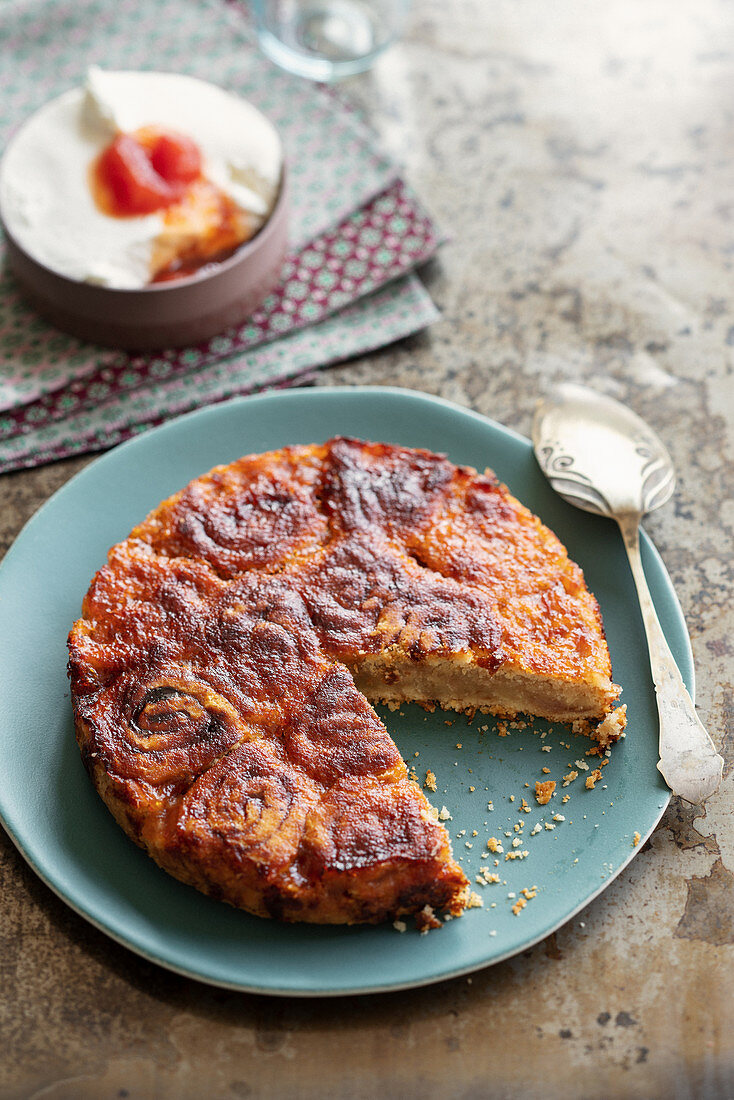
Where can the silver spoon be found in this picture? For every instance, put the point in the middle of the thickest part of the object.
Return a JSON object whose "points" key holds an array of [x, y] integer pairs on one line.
{"points": [[603, 458]]}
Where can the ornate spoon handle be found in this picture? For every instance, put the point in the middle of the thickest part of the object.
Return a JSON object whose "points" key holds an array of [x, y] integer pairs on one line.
{"points": [[689, 762]]}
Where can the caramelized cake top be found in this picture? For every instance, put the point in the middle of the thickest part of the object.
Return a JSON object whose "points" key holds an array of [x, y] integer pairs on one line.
{"points": [[400, 528], [212, 702]]}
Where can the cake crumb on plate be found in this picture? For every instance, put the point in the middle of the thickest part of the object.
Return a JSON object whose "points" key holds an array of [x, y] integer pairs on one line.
{"points": [[544, 791]]}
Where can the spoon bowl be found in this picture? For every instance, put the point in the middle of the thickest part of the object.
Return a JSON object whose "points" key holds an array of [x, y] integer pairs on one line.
{"points": [[600, 456]]}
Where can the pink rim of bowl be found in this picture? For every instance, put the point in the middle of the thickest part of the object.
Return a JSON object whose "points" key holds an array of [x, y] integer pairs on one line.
{"points": [[163, 315]]}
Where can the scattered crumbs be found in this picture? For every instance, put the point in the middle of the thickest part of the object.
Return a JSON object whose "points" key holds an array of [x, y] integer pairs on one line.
{"points": [[484, 855], [537, 828], [468, 844], [519, 906], [544, 734], [517, 854], [458, 744], [493, 932], [490, 806], [570, 778], [430, 781], [502, 729], [544, 791], [512, 895], [497, 862], [636, 840], [581, 765], [549, 825], [494, 845], [518, 826], [517, 842], [524, 806], [546, 771], [462, 833], [558, 817], [593, 779], [566, 798], [508, 833], [416, 754], [529, 892], [399, 925], [545, 748], [474, 832], [443, 814], [486, 878], [526, 785], [426, 920], [474, 901], [512, 798], [576, 860], [413, 774], [472, 789], [483, 729]]}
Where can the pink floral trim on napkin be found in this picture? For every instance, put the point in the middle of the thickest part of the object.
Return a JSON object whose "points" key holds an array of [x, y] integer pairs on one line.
{"points": [[395, 311]]}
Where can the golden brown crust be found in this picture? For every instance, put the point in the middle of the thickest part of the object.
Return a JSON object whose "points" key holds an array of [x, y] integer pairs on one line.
{"points": [[212, 703], [256, 513]]}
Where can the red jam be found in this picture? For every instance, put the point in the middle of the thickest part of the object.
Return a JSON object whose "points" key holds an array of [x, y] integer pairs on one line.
{"points": [[157, 170], [144, 172]]}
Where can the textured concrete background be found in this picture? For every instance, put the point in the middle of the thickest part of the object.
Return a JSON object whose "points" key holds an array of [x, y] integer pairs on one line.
{"points": [[581, 157]]}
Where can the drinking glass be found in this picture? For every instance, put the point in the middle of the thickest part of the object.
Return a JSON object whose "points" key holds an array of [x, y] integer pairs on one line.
{"points": [[327, 39]]}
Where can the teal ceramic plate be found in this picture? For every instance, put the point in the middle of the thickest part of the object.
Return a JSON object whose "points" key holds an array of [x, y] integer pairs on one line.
{"points": [[62, 828]]}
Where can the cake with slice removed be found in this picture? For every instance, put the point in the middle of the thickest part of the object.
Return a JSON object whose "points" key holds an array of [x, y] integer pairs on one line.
{"points": [[220, 669]]}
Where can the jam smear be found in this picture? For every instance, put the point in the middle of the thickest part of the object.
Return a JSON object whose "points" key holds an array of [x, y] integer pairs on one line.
{"points": [[221, 227]]}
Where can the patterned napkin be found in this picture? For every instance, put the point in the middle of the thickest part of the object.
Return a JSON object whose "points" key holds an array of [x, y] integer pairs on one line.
{"points": [[357, 231]]}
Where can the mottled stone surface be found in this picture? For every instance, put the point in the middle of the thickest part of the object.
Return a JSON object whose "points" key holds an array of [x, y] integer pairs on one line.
{"points": [[580, 157]]}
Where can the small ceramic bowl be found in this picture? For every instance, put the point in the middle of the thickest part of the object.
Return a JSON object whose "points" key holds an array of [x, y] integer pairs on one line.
{"points": [[162, 315]]}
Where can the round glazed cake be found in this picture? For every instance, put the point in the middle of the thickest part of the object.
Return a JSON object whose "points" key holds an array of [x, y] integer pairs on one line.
{"points": [[226, 653]]}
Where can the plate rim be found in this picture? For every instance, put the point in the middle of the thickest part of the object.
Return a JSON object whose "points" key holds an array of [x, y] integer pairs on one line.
{"points": [[298, 395]]}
